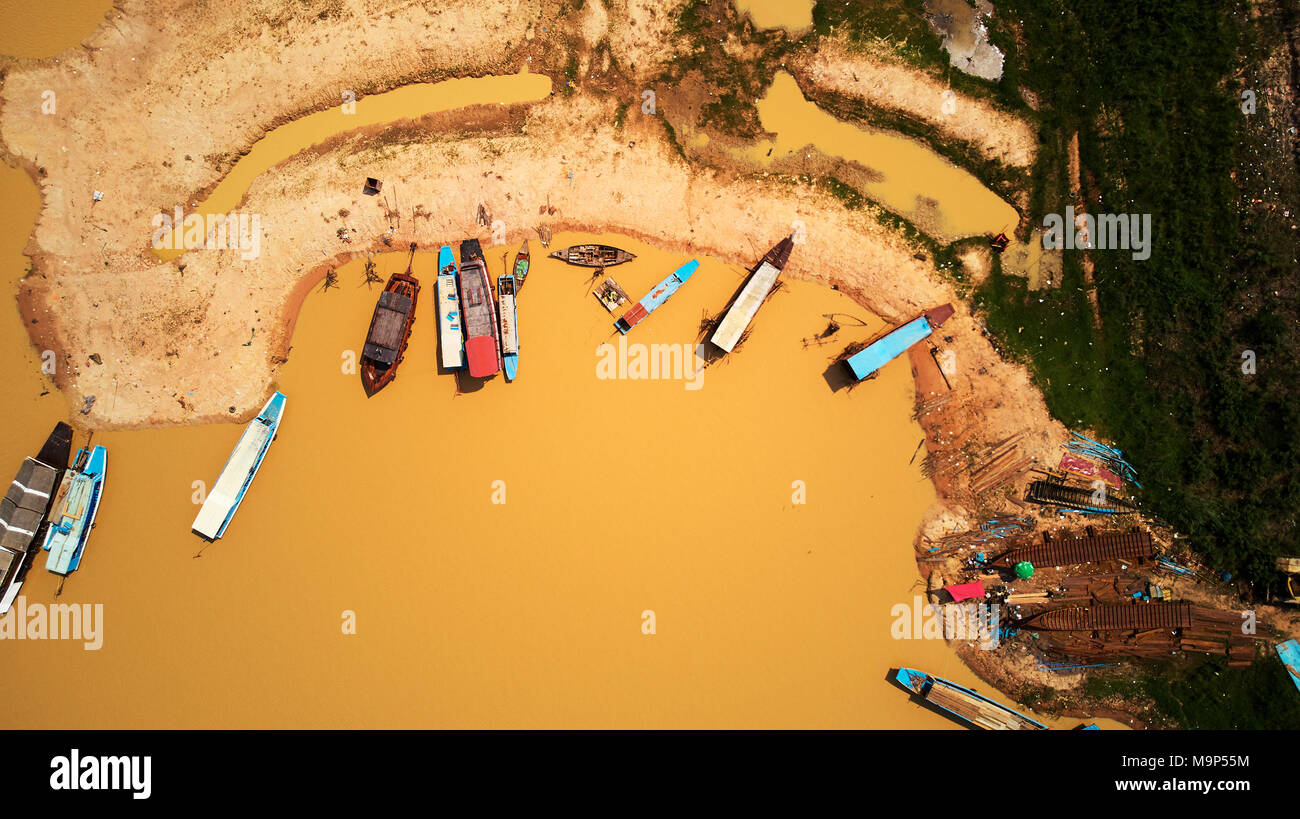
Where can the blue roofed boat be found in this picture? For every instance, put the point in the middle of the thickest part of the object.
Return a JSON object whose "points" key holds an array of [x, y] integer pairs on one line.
{"points": [[508, 325], [73, 514], [450, 337], [885, 349], [1289, 652], [656, 297], [237, 475], [966, 704]]}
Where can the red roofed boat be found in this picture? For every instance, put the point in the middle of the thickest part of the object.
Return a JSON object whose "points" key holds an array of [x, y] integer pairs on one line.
{"points": [[479, 317], [390, 329]]}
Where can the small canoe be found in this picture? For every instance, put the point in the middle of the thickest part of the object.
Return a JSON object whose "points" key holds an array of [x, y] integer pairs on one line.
{"points": [[73, 514], [449, 330], [482, 344], [390, 330], [509, 325], [521, 265], [593, 255]]}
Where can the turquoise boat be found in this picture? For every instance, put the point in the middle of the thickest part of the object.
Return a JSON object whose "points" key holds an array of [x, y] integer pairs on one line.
{"points": [[449, 332], [885, 349], [72, 516], [966, 704], [656, 297], [508, 325], [240, 469], [1289, 652]]}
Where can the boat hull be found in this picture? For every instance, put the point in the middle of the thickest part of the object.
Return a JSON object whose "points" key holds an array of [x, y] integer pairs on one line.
{"points": [[751, 296], [241, 467], [509, 325], [521, 265]]}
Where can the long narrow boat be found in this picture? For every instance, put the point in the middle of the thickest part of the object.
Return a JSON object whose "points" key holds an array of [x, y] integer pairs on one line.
{"points": [[237, 475], [482, 345], [965, 704], [656, 297], [72, 517], [755, 290], [23, 511], [449, 330], [521, 265], [390, 329], [593, 255], [509, 325], [894, 343]]}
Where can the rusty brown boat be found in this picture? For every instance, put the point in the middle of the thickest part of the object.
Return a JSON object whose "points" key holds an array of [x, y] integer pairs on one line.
{"points": [[390, 329], [593, 255]]}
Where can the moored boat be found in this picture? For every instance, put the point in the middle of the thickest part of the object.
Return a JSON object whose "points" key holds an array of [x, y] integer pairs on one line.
{"points": [[965, 703], [593, 255], [390, 329], [24, 508], [521, 265], [509, 325], [656, 297], [72, 516], [449, 318], [880, 352], [757, 286], [482, 345], [240, 469]]}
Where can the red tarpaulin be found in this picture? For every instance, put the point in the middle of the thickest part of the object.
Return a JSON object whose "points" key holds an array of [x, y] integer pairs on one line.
{"points": [[966, 591]]}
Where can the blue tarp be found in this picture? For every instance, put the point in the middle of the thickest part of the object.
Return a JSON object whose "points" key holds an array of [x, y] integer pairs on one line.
{"points": [[885, 350]]}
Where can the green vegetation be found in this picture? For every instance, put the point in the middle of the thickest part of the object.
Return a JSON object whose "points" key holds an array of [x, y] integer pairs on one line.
{"points": [[1211, 696]]}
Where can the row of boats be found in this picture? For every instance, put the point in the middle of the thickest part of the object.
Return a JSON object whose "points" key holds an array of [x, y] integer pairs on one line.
{"points": [[50, 506]]}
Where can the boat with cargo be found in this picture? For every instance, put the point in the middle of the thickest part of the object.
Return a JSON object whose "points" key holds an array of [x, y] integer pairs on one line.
{"points": [[479, 317], [966, 704], [72, 515], [240, 469], [450, 338], [593, 255], [24, 509], [744, 306], [522, 265], [390, 329], [656, 297]]}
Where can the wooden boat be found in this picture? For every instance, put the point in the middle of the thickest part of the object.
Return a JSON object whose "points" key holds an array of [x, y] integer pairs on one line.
{"points": [[24, 508], [449, 329], [965, 703], [593, 255], [509, 325], [757, 286], [521, 265], [482, 344], [390, 330], [72, 516], [240, 469], [656, 297], [880, 352]]}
